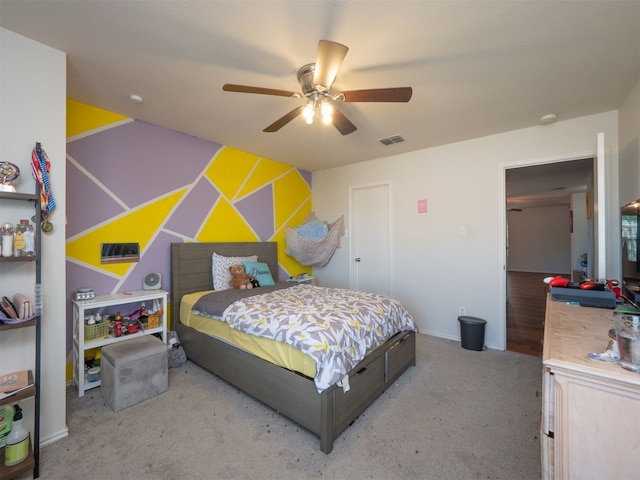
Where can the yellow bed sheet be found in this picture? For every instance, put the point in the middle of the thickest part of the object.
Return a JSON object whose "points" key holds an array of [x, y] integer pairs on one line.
{"points": [[272, 351]]}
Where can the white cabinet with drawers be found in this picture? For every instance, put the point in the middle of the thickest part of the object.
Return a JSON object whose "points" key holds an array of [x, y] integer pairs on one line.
{"points": [[590, 425]]}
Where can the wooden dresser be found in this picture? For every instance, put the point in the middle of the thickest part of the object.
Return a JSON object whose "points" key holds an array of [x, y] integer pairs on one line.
{"points": [[590, 411]]}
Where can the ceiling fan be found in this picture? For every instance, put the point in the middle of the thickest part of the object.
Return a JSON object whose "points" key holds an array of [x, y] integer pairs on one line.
{"points": [[316, 80]]}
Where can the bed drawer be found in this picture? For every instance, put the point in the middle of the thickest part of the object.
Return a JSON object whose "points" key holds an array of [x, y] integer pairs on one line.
{"points": [[366, 384], [399, 356]]}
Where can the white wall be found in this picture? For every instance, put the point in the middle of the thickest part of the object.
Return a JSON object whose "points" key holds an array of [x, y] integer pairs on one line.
{"points": [[629, 120], [540, 240], [33, 109], [434, 270]]}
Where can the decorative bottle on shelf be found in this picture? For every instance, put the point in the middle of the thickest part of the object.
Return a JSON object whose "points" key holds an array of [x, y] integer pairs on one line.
{"points": [[117, 327], [7, 240], [18, 241], [29, 234], [17, 447]]}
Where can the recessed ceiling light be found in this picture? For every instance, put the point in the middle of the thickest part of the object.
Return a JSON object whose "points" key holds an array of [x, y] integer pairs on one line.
{"points": [[548, 118], [135, 98]]}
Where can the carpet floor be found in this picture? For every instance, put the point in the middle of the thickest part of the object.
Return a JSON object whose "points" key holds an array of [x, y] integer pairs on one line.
{"points": [[458, 414]]}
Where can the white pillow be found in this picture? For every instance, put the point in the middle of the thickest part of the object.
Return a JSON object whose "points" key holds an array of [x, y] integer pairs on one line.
{"points": [[220, 269]]}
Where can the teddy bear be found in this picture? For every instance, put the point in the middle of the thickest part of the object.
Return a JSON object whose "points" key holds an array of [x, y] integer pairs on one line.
{"points": [[239, 279]]}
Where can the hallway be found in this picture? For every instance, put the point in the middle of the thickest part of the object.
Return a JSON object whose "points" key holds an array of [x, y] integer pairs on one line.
{"points": [[526, 299]]}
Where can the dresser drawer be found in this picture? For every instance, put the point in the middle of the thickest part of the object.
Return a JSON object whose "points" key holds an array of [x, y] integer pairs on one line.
{"points": [[400, 356], [366, 384]]}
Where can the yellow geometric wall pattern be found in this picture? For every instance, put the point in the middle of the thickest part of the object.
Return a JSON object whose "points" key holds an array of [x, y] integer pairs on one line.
{"points": [[119, 230], [265, 171], [230, 169], [289, 193], [287, 262], [83, 118], [225, 224]]}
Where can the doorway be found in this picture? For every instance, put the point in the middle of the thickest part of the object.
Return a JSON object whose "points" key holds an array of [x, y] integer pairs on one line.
{"points": [[371, 239], [545, 236]]}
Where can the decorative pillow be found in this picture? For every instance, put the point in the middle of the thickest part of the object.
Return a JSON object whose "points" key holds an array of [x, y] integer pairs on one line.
{"points": [[260, 271], [220, 269]]}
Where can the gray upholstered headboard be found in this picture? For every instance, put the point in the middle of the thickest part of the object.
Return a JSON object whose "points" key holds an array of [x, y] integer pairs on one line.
{"points": [[191, 265]]}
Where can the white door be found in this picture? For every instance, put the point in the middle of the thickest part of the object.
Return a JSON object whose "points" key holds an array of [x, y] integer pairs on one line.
{"points": [[370, 237]]}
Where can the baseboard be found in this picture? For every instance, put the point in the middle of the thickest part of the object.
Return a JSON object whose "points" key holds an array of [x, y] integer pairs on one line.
{"points": [[455, 339], [440, 335], [64, 433]]}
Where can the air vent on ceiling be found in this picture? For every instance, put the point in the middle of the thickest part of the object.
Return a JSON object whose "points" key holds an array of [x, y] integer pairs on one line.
{"points": [[391, 140]]}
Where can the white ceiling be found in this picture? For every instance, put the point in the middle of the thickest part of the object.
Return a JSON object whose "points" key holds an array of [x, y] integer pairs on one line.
{"points": [[476, 67]]}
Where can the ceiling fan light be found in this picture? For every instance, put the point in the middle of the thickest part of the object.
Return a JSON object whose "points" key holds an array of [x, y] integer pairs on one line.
{"points": [[326, 110], [308, 112]]}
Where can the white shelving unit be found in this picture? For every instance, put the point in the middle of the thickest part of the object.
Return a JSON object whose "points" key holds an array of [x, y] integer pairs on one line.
{"points": [[123, 302]]}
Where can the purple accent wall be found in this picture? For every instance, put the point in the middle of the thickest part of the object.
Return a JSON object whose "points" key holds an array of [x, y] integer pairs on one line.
{"points": [[157, 258], [82, 214], [193, 209], [139, 161], [257, 209]]}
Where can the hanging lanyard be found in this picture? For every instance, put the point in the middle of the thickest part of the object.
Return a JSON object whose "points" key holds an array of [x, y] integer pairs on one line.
{"points": [[40, 166]]}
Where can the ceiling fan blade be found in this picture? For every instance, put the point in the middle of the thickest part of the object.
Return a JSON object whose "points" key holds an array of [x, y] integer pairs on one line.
{"points": [[342, 123], [282, 121], [230, 87], [328, 60], [399, 94]]}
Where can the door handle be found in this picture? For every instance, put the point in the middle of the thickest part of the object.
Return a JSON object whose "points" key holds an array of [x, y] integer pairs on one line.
{"points": [[357, 259]]}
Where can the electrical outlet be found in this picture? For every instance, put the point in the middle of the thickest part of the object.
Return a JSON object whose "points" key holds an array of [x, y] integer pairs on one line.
{"points": [[462, 311]]}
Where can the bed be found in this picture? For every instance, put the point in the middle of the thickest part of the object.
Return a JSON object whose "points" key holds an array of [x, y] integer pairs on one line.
{"points": [[293, 394]]}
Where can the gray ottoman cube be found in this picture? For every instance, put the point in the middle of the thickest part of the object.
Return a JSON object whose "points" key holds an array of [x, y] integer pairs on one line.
{"points": [[133, 370]]}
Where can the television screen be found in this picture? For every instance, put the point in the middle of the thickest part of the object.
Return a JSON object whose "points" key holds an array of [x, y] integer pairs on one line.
{"points": [[630, 253]]}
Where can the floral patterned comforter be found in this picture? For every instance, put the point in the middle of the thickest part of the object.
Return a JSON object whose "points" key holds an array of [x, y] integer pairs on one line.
{"points": [[334, 326]]}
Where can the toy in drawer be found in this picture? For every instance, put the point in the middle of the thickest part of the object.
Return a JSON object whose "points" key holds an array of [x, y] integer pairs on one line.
{"points": [[96, 331]]}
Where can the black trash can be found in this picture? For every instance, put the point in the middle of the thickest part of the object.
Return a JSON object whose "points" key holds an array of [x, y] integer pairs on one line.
{"points": [[472, 332]]}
